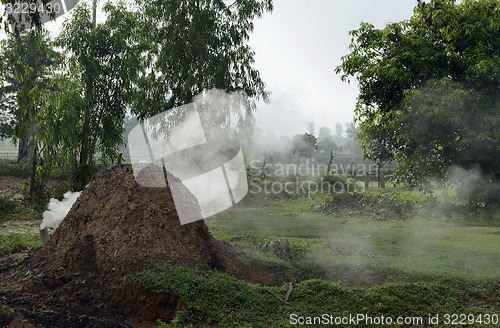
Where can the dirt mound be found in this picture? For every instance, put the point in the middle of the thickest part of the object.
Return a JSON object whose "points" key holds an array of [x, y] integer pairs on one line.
{"points": [[118, 226], [115, 230]]}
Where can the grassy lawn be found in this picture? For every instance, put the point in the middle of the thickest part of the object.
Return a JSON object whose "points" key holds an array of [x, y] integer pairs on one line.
{"points": [[435, 246], [11, 242]]}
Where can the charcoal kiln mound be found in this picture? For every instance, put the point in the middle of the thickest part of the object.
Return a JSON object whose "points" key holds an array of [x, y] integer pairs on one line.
{"points": [[115, 230], [117, 226]]}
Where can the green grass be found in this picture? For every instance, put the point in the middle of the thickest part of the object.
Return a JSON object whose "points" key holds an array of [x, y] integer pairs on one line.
{"points": [[220, 300], [26, 214], [13, 169], [12, 241], [438, 245]]}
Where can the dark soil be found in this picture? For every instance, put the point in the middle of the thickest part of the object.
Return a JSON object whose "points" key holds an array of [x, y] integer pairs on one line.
{"points": [[86, 274], [11, 185]]}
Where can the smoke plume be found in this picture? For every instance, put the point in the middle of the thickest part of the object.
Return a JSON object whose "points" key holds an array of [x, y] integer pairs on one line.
{"points": [[57, 210]]}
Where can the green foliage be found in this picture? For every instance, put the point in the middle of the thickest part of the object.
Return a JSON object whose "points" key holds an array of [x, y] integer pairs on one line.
{"points": [[28, 57], [28, 17], [197, 45], [340, 183], [124, 64], [13, 169], [428, 89], [6, 205], [304, 145], [408, 199], [84, 114], [11, 242]]}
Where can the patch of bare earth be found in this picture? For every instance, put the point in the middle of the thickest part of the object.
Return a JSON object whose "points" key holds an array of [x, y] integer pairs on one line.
{"points": [[11, 185]]}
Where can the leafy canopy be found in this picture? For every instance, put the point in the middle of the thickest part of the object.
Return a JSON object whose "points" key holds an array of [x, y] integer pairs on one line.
{"points": [[84, 114], [197, 45], [428, 88]]}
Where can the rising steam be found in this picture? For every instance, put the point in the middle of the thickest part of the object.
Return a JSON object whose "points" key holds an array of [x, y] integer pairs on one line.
{"points": [[57, 210]]}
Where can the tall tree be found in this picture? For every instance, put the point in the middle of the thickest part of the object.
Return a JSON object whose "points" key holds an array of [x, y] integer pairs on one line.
{"points": [[339, 131], [311, 129], [21, 19], [84, 115], [304, 145], [325, 140], [27, 57], [324, 132], [428, 88], [197, 45]]}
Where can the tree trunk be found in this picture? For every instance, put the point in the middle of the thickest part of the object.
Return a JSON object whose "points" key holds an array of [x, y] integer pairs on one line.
{"points": [[264, 167], [94, 15], [82, 175], [33, 174], [330, 163], [23, 150], [35, 186]]}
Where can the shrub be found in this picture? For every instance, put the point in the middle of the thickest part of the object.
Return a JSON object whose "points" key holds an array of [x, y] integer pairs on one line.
{"points": [[340, 183], [6, 206]]}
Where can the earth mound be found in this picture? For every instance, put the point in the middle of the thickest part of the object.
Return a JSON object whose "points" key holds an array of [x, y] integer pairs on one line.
{"points": [[118, 226], [115, 230]]}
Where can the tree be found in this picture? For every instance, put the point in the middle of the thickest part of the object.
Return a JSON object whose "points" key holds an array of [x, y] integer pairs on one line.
{"points": [[327, 144], [197, 45], [311, 128], [93, 87], [352, 142], [149, 60], [23, 18], [324, 132], [428, 89], [304, 145], [339, 131], [27, 58]]}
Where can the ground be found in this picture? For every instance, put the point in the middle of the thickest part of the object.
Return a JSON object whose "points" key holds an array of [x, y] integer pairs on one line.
{"points": [[379, 253]]}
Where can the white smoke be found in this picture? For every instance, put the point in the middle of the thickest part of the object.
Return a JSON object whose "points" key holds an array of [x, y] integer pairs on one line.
{"points": [[57, 210]]}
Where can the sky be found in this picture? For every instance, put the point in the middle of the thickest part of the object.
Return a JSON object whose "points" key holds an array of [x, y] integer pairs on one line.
{"points": [[297, 48]]}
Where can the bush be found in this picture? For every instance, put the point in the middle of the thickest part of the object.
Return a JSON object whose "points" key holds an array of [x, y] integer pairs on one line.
{"points": [[13, 169], [6, 206], [339, 183]]}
